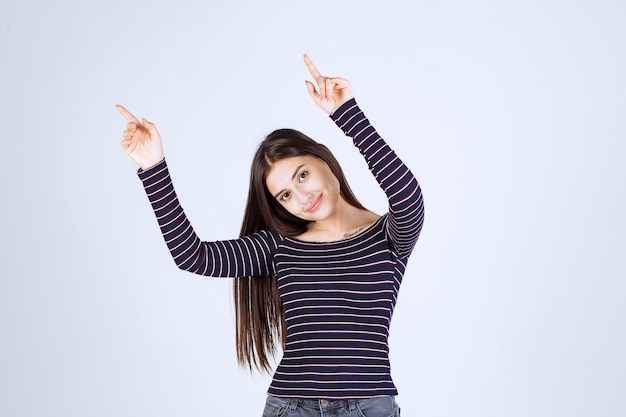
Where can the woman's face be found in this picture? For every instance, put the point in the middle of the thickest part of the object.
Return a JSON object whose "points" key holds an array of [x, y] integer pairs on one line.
{"points": [[305, 186]]}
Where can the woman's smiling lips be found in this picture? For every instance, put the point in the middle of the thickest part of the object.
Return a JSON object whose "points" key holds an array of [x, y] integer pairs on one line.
{"points": [[315, 205]]}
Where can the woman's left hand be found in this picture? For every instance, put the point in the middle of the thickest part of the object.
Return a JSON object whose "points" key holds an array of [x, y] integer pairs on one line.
{"points": [[331, 93]]}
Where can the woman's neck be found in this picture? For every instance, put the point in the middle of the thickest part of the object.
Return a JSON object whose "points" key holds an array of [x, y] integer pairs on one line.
{"points": [[346, 221]]}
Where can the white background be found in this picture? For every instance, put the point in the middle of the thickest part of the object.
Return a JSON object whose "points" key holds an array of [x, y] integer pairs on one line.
{"points": [[510, 113]]}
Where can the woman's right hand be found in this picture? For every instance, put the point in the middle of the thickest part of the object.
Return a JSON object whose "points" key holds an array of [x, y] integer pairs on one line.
{"points": [[142, 141]]}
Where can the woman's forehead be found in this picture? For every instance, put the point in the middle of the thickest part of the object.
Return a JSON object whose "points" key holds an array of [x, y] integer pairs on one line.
{"points": [[283, 171], [285, 167]]}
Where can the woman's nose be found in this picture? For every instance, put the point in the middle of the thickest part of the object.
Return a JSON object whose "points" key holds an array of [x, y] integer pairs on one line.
{"points": [[303, 196]]}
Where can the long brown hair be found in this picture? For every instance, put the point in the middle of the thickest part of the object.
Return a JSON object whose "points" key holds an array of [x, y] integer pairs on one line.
{"points": [[259, 315]]}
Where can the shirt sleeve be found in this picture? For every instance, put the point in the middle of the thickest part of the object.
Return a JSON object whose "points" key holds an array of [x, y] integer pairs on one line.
{"points": [[406, 206], [248, 256]]}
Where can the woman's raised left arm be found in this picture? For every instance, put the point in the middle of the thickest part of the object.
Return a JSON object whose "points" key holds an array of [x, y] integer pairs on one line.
{"points": [[406, 205]]}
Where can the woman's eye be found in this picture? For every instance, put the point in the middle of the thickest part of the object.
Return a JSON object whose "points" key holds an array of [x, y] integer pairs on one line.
{"points": [[284, 197], [303, 175]]}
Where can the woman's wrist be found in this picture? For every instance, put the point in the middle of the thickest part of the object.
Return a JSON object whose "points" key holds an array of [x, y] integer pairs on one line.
{"points": [[149, 165]]}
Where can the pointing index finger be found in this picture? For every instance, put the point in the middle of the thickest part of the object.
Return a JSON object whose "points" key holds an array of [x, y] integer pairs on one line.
{"points": [[312, 69], [128, 115]]}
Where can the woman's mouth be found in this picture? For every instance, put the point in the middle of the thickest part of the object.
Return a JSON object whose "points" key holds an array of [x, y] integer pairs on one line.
{"points": [[315, 205]]}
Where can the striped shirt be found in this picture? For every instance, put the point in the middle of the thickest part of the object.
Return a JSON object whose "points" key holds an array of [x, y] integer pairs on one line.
{"points": [[339, 296]]}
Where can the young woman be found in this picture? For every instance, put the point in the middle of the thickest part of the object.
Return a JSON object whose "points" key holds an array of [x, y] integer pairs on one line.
{"points": [[314, 270]]}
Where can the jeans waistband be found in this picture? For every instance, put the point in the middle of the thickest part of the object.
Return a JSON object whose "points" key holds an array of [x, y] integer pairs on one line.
{"points": [[294, 403]]}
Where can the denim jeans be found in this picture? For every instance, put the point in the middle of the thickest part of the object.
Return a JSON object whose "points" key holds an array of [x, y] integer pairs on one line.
{"points": [[295, 407]]}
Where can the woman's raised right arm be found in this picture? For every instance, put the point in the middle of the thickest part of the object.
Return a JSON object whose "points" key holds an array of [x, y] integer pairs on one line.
{"points": [[248, 256]]}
